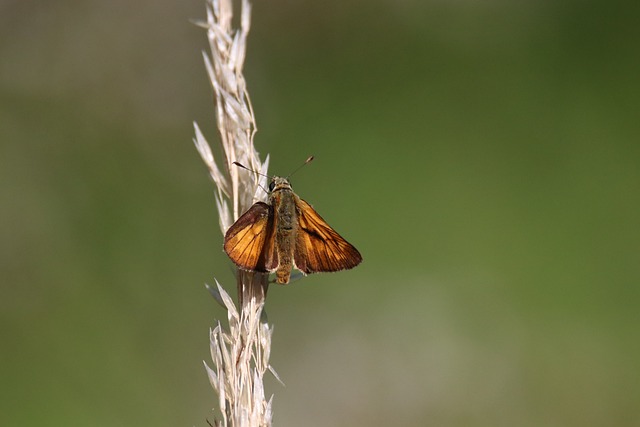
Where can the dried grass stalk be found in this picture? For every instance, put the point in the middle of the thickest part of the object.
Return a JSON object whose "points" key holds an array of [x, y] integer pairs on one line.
{"points": [[241, 355]]}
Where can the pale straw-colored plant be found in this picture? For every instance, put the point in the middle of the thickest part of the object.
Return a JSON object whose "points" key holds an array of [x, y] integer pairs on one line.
{"points": [[241, 354]]}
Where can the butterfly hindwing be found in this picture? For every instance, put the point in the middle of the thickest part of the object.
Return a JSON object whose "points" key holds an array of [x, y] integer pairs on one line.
{"points": [[319, 248], [249, 242]]}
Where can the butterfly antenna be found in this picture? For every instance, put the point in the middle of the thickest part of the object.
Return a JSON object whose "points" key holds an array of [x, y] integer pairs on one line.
{"points": [[250, 170], [240, 165], [309, 159]]}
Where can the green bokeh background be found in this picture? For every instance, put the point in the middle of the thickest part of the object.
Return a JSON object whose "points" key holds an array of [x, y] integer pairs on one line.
{"points": [[483, 156]]}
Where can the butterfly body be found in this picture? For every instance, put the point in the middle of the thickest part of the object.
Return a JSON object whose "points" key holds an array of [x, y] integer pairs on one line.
{"points": [[287, 232], [283, 200]]}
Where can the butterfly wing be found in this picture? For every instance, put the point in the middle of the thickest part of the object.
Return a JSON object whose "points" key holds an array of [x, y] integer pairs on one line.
{"points": [[249, 242], [318, 246]]}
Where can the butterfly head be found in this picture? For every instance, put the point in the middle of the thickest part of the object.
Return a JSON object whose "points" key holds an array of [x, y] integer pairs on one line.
{"points": [[277, 183]]}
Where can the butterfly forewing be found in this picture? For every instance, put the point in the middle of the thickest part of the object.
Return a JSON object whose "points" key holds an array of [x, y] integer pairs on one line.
{"points": [[319, 248], [249, 242]]}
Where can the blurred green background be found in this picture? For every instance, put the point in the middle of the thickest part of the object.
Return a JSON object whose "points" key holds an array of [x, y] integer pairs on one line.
{"points": [[483, 156]]}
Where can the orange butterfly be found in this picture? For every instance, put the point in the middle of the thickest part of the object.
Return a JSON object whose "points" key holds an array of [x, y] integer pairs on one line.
{"points": [[287, 232]]}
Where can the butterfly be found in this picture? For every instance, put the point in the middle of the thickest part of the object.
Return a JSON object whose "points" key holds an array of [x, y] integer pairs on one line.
{"points": [[287, 232]]}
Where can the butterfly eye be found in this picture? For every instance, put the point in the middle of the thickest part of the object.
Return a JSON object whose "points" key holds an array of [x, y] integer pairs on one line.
{"points": [[272, 185]]}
